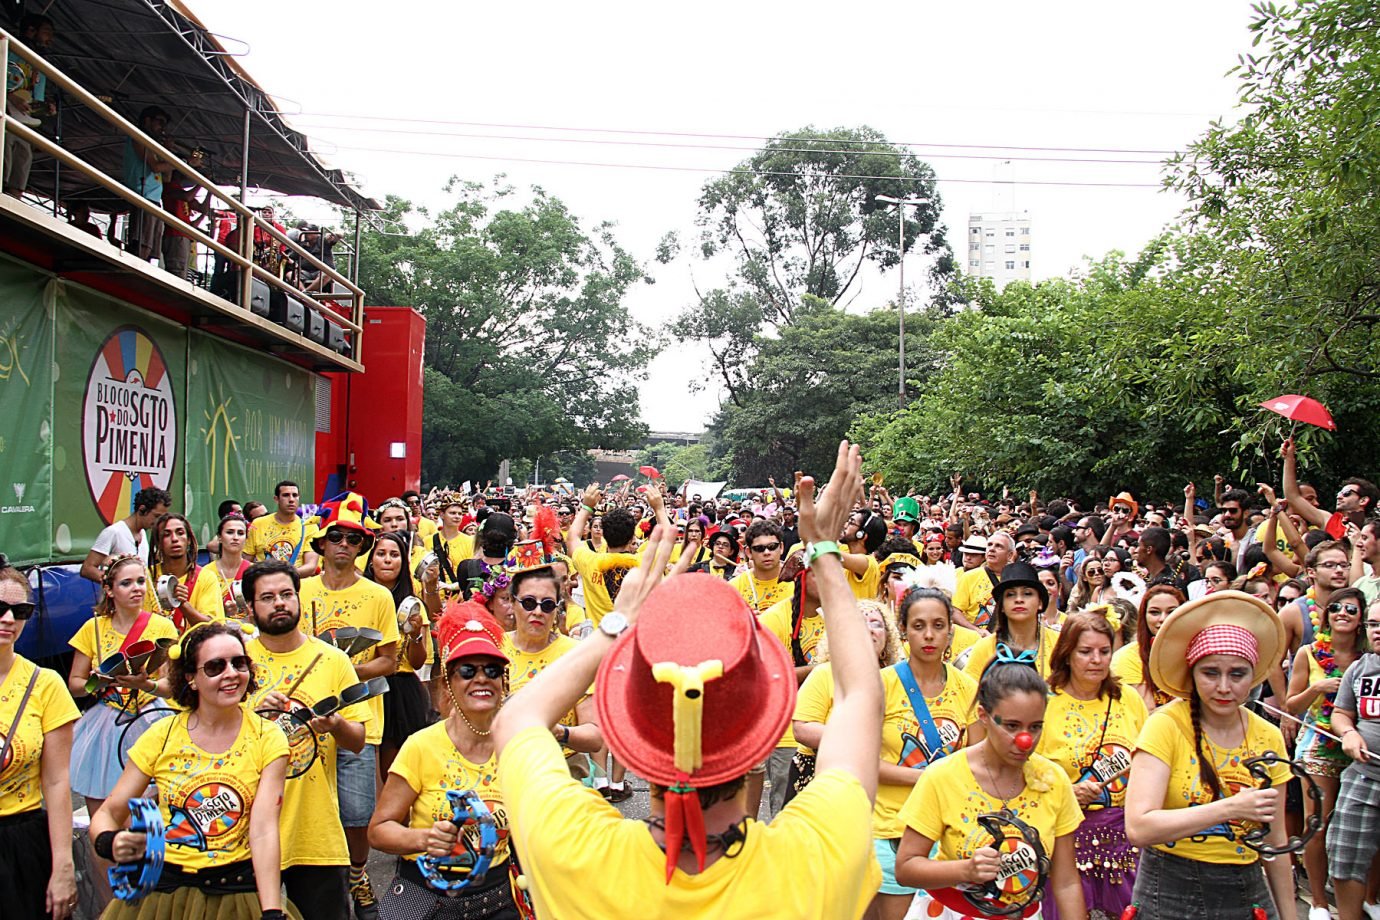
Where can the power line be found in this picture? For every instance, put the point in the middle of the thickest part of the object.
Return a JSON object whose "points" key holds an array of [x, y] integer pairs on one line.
{"points": [[732, 137], [755, 172], [677, 146]]}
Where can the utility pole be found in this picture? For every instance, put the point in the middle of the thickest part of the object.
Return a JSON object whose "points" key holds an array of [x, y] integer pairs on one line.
{"points": [[901, 293]]}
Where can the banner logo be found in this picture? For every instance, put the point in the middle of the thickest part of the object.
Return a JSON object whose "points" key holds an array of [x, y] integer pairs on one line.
{"points": [[129, 422]]}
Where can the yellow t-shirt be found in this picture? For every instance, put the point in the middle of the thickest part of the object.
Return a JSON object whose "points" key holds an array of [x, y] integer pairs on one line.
{"points": [[524, 666], [98, 640], [778, 621], [309, 827], [575, 617], [947, 801], [985, 649], [49, 708], [365, 603], [430, 765], [1168, 737], [270, 539], [457, 550], [1126, 665], [868, 584], [1073, 738], [426, 527], [761, 596], [602, 575], [827, 828], [211, 593], [423, 635], [973, 596], [903, 743], [205, 797], [814, 700], [154, 574]]}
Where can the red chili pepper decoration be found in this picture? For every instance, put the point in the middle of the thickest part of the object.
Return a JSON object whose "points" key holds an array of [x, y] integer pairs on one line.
{"points": [[1258, 913], [1130, 913], [675, 825]]}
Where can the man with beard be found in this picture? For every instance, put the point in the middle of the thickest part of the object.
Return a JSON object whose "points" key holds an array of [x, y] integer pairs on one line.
{"points": [[295, 672], [338, 597]]}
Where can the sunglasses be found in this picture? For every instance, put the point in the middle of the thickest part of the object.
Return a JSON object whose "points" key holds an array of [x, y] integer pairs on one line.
{"points": [[1348, 492], [468, 670], [354, 538], [215, 667], [1121, 512], [1353, 609], [1094, 571], [766, 547], [546, 604], [21, 611]]}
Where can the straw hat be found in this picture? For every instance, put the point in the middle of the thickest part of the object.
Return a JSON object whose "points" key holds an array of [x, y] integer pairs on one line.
{"points": [[1169, 654]]}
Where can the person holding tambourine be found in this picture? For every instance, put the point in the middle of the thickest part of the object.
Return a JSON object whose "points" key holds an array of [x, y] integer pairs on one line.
{"points": [[1193, 805], [1091, 726], [37, 875], [1002, 815], [219, 769], [414, 818]]}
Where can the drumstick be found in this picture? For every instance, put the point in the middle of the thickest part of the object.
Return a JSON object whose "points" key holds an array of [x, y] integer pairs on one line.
{"points": [[1293, 718], [303, 676]]}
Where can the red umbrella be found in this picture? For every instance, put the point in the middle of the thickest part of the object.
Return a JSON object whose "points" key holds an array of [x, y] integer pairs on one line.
{"points": [[1301, 409], [650, 472], [619, 478]]}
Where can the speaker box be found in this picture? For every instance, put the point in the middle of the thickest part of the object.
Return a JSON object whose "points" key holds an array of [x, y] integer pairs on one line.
{"points": [[316, 327], [287, 312], [259, 298], [335, 339]]}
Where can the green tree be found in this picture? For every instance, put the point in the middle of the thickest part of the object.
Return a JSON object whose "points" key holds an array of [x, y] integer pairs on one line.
{"points": [[529, 350]]}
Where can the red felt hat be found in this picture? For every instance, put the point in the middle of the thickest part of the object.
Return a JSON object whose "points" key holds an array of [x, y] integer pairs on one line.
{"points": [[697, 655], [469, 629]]}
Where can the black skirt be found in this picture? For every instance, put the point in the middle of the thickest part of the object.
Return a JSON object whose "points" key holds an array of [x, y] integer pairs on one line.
{"points": [[406, 708], [26, 863]]}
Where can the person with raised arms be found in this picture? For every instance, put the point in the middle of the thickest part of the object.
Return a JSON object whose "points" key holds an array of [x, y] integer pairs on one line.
{"points": [[691, 697]]}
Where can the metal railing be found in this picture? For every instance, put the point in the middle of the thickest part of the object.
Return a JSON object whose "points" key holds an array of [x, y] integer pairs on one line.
{"points": [[248, 221]]}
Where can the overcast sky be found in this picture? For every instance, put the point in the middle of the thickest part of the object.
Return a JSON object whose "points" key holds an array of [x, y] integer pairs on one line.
{"points": [[941, 76]]}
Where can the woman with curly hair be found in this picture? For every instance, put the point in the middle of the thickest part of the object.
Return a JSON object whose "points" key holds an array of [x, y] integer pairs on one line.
{"points": [[219, 769]]}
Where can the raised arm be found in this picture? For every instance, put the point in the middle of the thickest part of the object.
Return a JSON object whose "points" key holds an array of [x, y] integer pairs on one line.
{"points": [[1315, 516], [589, 500], [852, 739]]}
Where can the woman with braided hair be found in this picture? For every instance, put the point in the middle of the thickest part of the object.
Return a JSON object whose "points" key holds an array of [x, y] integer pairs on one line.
{"points": [[1192, 799]]}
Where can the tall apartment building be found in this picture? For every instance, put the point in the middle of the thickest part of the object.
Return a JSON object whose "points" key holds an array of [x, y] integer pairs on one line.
{"points": [[999, 246]]}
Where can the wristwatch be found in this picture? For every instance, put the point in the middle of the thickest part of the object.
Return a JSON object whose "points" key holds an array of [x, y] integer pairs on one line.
{"points": [[613, 624]]}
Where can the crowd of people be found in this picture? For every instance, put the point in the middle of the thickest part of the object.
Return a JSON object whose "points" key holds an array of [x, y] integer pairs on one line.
{"points": [[843, 703]]}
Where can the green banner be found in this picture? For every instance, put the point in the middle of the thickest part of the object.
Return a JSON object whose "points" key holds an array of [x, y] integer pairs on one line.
{"points": [[119, 402], [252, 424], [26, 405]]}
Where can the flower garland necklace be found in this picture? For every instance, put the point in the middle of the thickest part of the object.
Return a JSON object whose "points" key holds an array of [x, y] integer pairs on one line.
{"points": [[1326, 658]]}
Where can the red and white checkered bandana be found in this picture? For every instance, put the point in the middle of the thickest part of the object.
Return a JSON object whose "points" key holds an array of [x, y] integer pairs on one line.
{"points": [[1224, 639]]}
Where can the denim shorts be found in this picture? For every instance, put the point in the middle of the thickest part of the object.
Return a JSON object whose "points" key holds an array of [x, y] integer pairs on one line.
{"points": [[354, 776], [1170, 887]]}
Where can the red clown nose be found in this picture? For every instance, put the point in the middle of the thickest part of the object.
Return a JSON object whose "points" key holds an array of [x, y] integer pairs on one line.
{"points": [[1024, 741]]}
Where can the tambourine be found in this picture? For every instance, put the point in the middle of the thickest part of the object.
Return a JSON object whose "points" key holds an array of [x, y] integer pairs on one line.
{"points": [[409, 606], [294, 723], [466, 865], [1020, 881], [424, 563], [1255, 837], [135, 880], [167, 593]]}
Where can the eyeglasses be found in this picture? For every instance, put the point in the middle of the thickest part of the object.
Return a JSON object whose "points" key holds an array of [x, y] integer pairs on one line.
{"points": [[546, 604], [1333, 565], [766, 547], [269, 598], [1338, 607], [21, 611], [468, 670], [1372, 624], [352, 537], [215, 667]]}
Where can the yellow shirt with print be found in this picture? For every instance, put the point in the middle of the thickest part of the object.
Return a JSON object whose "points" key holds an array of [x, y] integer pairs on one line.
{"points": [[1073, 738], [602, 575], [309, 830], [827, 827], [947, 800], [903, 743], [973, 596], [431, 766], [760, 595], [1168, 737], [524, 666], [365, 603], [779, 621], [205, 797], [210, 595], [98, 640], [985, 649], [49, 708], [867, 585], [269, 538]]}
